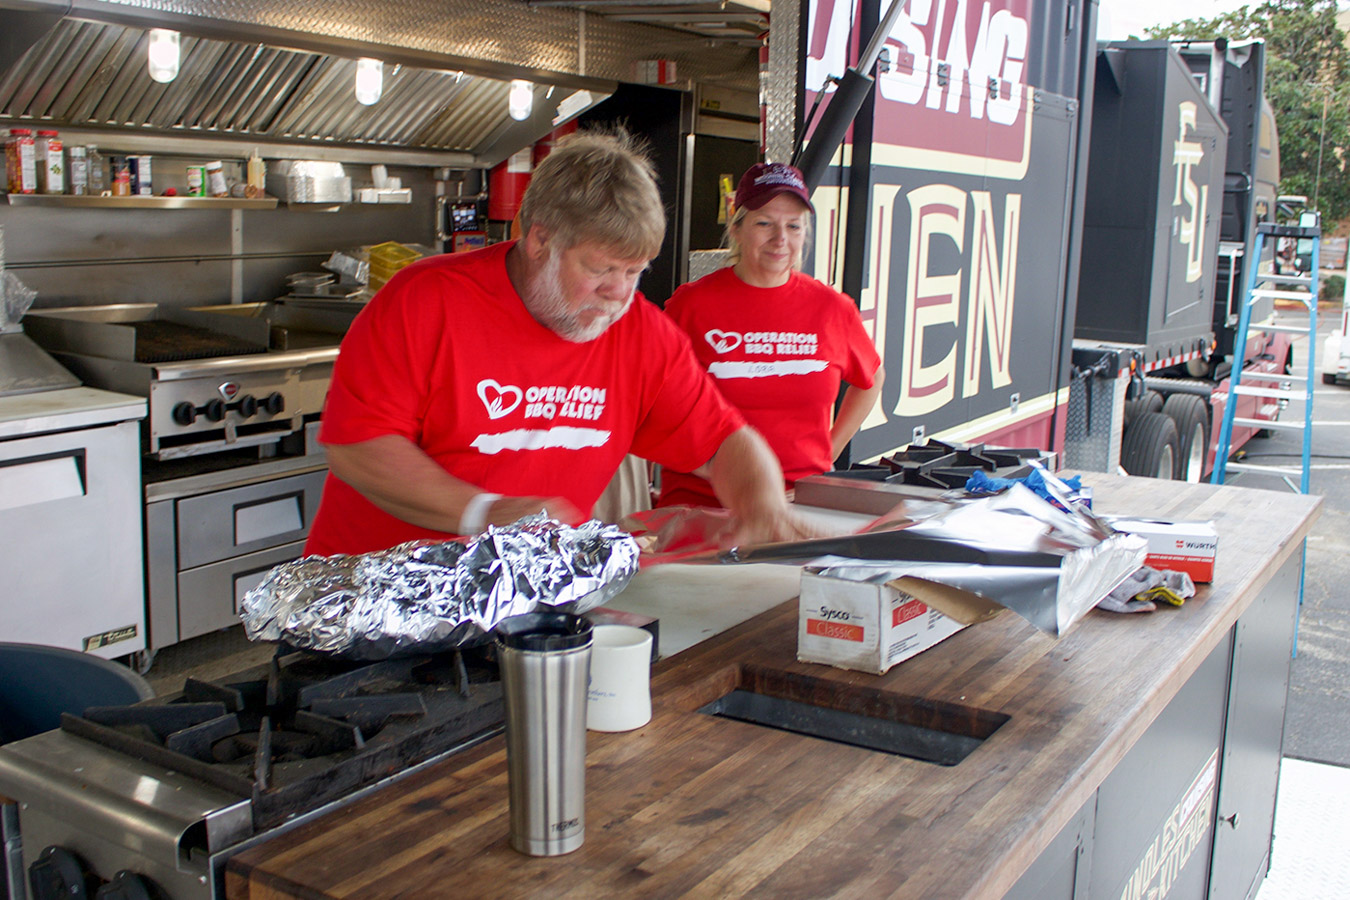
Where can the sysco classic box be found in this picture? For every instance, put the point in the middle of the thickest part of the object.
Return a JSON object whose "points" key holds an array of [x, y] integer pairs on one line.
{"points": [[864, 626]]}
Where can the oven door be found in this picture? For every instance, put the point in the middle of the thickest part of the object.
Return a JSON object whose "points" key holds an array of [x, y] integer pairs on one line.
{"points": [[70, 540]]}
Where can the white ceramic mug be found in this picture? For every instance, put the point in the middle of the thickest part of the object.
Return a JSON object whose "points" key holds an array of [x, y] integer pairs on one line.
{"points": [[619, 698]]}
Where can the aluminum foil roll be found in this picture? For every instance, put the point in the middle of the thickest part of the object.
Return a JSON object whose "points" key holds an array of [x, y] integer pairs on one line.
{"points": [[431, 596]]}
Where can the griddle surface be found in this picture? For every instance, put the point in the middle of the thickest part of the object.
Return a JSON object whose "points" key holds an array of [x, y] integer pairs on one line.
{"points": [[160, 341]]}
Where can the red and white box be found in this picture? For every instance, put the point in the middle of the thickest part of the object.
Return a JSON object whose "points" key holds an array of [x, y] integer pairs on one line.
{"points": [[864, 626], [655, 71], [1185, 546]]}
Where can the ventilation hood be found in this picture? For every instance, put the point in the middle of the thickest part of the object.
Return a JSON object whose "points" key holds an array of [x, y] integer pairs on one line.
{"points": [[278, 74]]}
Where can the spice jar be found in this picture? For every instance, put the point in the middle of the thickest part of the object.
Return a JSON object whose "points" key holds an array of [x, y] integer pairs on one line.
{"points": [[78, 168], [216, 185], [95, 169], [51, 163], [21, 161]]}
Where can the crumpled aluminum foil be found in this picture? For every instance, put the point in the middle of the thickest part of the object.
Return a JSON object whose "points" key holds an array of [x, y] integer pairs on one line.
{"points": [[430, 596]]}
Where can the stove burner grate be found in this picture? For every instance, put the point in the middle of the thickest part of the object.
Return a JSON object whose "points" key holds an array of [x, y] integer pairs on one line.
{"points": [[304, 730], [943, 465]]}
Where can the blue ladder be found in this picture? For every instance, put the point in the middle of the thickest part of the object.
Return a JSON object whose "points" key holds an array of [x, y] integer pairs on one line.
{"points": [[1309, 230]]}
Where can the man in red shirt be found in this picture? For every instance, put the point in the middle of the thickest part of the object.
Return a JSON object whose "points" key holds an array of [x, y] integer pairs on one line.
{"points": [[481, 387]]}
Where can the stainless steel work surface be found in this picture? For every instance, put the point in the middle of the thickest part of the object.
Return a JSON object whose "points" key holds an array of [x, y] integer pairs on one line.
{"points": [[76, 407]]}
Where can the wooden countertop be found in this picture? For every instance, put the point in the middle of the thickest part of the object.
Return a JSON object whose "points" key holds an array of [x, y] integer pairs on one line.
{"points": [[697, 806]]}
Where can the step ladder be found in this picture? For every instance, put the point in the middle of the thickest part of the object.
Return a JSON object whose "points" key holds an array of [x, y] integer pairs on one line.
{"points": [[1309, 229], [1284, 389]]}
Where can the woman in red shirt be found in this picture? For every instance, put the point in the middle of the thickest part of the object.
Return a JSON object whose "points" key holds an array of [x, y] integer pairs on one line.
{"points": [[778, 342]]}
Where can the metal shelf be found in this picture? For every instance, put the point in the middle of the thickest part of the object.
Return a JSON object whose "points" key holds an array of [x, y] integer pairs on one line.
{"points": [[88, 202]]}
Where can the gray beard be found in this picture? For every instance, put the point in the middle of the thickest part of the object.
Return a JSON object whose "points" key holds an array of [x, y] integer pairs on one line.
{"points": [[544, 299]]}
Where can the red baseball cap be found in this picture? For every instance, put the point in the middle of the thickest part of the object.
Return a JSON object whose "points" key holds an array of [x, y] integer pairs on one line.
{"points": [[764, 181]]}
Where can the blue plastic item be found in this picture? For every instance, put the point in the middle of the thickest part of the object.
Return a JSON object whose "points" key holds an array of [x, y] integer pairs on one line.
{"points": [[38, 683], [980, 483]]}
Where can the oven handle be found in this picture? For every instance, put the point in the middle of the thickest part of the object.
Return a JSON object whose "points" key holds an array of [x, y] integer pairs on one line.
{"points": [[257, 362]]}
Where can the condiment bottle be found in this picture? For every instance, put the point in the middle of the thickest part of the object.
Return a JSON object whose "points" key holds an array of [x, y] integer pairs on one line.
{"points": [[79, 170], [257, 177], [216, 185], [21, 161], [121, 177], [51, 163]]}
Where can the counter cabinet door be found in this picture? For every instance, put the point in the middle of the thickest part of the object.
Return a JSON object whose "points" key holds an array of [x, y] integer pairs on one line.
{"points": [[1254, 737], [70, 540]]}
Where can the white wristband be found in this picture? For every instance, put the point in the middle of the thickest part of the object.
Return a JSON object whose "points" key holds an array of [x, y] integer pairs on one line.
{"points": [[474, 517]]}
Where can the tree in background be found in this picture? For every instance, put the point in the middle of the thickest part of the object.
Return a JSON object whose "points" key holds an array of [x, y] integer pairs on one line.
{"points": [[1306, 67]]}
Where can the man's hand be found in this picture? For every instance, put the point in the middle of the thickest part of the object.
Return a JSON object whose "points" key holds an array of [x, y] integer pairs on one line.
{"points": [[506, 510], [771, 526], [747, 479]]}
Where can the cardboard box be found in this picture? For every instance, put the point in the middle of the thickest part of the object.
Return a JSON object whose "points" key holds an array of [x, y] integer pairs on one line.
{"points": [[865, 626], [1188, 547]]}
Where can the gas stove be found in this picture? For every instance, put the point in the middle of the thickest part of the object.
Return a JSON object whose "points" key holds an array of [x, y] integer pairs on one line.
{"points": [[160, 794]]}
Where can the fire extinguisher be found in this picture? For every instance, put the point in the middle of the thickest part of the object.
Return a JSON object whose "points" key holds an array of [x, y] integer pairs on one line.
{"points": [[507, 182], [544, 146]]}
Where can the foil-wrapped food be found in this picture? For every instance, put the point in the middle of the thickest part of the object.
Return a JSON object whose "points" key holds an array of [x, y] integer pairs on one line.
{"points": [[431, 596]]}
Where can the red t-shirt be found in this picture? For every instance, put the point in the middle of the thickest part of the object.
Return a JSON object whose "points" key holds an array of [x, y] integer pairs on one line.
{"points": [[778, 355], [447, 356]]}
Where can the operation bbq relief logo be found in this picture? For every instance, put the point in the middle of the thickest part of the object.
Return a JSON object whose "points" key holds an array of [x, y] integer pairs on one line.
{"points": [[766, 343], [542, 405]]}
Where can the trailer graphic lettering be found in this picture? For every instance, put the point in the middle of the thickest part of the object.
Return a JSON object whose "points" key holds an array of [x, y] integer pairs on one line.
{"points": [[980, 76], [1186, 154], [956, 68], [933, 301], [1184, 830], [950, 176]]}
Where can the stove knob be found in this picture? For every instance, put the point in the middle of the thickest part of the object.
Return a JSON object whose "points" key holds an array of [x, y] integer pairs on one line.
{"points": [[59, 873], [215, 410], [184, 413], [248, 406], [126, 886], [274, 403]]}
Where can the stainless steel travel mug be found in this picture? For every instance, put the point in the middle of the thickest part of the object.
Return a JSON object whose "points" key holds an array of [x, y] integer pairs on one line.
{"points": [[545, 663]]}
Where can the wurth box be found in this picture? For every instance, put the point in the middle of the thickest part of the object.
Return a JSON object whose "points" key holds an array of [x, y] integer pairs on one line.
{"points": [[1187, 547], [866, 626]]}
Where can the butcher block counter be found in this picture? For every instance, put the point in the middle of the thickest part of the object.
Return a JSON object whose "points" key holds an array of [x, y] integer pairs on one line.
{"points": [[1137, 753]]}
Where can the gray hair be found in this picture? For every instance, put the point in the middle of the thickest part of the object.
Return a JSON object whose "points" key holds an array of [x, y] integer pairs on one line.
{"points": [[601, 187]]}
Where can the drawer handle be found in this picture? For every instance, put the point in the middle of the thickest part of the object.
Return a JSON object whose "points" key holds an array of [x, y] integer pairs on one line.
{"points": [[268, 518], [41, 479]]}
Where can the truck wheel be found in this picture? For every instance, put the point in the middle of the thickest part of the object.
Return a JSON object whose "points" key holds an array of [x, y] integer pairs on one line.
{"points": [[1190, 413], [1151, 401], [1328, 378], [1150, 447]]}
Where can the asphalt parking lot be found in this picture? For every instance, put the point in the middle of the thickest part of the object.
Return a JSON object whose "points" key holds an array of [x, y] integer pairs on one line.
{"points": [[1317, 727]]}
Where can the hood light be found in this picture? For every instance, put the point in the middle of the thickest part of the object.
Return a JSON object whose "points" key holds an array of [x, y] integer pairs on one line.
{"points": [[520, 101], [162, 55], [369, 81]]}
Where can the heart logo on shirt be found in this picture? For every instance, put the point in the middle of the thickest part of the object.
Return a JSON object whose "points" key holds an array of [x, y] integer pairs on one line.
{"points": [[496, 397], [723, 341]]}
